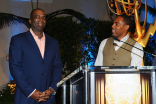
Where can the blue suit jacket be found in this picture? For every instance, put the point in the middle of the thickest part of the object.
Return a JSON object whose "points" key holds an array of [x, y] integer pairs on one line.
{"points": [[30, 71]]}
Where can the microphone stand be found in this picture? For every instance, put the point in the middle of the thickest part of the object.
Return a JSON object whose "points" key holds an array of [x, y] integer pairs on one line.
{"points": [[86, 75], [115, 38]]}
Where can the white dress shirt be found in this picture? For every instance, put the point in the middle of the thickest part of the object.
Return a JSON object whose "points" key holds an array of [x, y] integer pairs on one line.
{"points": [[136, 59]]}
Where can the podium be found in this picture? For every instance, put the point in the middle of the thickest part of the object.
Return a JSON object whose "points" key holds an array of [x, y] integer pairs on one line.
{"points": [[111, 85]]}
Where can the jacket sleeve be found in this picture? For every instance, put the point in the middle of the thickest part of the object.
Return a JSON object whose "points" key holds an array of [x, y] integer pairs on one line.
{"points": [[57, 70], [16, 69]]}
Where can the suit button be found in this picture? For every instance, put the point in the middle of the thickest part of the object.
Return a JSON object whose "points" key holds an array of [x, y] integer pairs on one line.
{"points": [[43, 73], [113, 59], [43, 63], [115, 53]]}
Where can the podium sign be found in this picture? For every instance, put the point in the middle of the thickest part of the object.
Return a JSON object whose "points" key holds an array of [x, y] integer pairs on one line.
{"points": [[111, 85]]}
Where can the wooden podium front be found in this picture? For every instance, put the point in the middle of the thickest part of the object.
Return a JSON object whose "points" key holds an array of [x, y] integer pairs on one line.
{"points": [[111, 85]]}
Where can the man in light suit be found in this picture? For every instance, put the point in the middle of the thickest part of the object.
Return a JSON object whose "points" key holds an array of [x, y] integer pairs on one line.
{"points": [[35, 63]]}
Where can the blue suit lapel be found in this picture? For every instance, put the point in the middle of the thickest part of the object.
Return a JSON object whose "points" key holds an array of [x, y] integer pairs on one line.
{"points": [[33, 43], [47, 42]]}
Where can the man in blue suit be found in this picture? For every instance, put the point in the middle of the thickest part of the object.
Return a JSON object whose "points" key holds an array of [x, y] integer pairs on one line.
{"points": [[35, 64]]}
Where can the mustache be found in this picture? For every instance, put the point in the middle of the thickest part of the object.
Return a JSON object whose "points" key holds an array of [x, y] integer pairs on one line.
{"points": [[41, 22]]}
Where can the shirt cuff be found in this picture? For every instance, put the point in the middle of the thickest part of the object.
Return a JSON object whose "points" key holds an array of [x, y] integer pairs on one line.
{"points": [[31, 93], [54, 93]]}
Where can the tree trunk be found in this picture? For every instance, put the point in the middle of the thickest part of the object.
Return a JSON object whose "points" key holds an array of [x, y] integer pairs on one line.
{"points": [[32, 4]]}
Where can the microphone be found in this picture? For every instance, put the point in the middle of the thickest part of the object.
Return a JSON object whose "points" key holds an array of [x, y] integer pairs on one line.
{"points": [[126, 49], [115, 38]]}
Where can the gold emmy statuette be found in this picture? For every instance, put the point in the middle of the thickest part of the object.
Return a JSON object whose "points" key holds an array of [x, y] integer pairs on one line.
{"points": [[140, 34]]}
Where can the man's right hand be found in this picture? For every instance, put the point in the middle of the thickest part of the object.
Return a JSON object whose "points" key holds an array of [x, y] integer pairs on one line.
{"points": [[37, 96]]}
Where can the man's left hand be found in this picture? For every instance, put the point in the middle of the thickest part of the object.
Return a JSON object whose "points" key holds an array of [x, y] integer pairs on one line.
{"points": [[48, 93]]}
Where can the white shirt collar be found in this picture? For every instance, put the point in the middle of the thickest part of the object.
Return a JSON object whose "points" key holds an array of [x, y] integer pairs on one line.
{"points": [[123, 39]]}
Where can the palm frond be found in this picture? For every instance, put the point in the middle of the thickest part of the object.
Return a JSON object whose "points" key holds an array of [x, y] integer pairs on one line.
{"points": [[7, 20], [76, 14]]}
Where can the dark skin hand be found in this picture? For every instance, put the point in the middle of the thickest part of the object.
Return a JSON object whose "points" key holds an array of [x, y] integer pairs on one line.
{"points": [[42, 96], [37, 96], [46, 94]]}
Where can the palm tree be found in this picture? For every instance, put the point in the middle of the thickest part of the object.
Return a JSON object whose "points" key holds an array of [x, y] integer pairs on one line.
{"points": [[32, 4], [37, 3], [7, 19]]}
